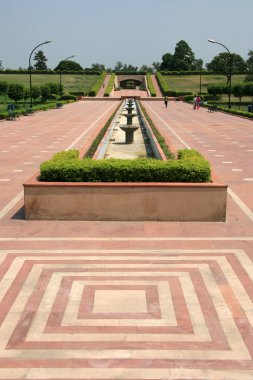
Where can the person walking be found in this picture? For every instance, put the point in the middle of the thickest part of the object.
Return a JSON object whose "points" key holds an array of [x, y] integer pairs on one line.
{"points": [[166, 101]]}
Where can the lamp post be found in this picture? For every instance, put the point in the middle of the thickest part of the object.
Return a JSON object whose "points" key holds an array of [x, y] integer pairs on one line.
{"points": [[230, 69], [30, 69], [72, 56]]}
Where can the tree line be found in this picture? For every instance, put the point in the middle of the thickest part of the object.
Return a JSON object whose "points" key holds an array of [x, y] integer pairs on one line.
{"points": [[183, 59]]}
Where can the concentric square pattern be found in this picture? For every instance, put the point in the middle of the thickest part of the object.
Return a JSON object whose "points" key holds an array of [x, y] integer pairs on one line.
{"points": [[126, 315]]}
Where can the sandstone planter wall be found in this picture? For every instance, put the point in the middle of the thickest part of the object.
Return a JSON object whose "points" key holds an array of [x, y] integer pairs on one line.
{"points": [[125, 201]]}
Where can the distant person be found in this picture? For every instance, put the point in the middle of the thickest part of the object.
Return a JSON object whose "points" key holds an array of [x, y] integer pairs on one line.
{"points": [[194, 102], [198, 101], [166, 101]]}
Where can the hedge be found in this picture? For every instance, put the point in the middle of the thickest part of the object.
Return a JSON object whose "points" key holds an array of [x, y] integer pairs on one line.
{"points": [[162, 84], [150, 85], [65, 167], [110, 85], [98, 84]]}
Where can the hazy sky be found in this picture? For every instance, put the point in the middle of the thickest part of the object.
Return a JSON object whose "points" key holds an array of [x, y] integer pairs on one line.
{"points": [[134, 32]]}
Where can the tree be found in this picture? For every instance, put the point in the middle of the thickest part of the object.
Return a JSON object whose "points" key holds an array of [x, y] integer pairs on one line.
{"points": [[35, 92], [40, 61], [183, 57], [45, 92], [156, 66], [221, 64], [3, 88], [1, 65], [167, 62], [68, 65], [54, 88], [249, 61], [98, 67], [147, 69], [118, 66], [16, 91]]}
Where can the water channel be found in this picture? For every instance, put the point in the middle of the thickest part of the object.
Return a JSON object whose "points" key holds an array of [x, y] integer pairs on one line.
{"points": [[115, 144]]}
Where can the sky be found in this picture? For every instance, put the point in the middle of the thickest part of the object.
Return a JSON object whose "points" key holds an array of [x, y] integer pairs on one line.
{"points": [[136, 32]]}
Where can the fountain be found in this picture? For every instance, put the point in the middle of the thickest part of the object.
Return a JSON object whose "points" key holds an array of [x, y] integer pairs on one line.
{"points": [[129, 128]]}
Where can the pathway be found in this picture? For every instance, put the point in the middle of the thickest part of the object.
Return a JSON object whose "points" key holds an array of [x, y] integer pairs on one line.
{"points": [[126, 300], [156, 86], [103, 88]]}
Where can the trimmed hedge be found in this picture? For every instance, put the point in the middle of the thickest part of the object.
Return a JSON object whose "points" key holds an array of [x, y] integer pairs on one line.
{"points": [[98, 84], [110, 85], [65, 167], [162, 84], [150, 85]]}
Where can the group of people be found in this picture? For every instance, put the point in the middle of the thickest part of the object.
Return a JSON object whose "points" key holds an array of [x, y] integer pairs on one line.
{"points": [[196, 102]]}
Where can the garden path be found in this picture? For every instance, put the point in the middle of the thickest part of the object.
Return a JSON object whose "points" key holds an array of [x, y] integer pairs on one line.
{"points": [[126, 300]]}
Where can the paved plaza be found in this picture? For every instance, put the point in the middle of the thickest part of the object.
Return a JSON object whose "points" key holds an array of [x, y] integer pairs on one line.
{"points": [[126, 300]]}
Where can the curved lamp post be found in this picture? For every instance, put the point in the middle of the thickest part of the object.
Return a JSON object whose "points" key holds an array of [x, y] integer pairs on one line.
{"points": [[30, 87], [72, 56], [230, 69]]}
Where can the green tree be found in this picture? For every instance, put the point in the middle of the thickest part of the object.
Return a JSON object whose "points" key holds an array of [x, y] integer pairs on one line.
{"points": [[35, 92], [68, 65], [16, 91], [167, 62], [98, 67], [54, 88], [156, 66], [221, 64], [183, 57], [238, 91], [40, 61], [45, 93], [118, 66], [249, 61], [3, 88], [147, 69]]}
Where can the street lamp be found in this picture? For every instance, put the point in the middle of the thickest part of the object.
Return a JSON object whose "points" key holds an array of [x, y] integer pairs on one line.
{"points": [[30, 68], [230, 69], [72, 56]]}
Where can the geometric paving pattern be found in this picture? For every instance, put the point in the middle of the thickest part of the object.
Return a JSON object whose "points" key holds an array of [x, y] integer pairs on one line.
{"points": [[126, 314]]}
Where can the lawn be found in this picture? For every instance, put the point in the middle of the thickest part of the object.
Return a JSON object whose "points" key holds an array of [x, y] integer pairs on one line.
{"points": [[70, 82], [192, 82]]}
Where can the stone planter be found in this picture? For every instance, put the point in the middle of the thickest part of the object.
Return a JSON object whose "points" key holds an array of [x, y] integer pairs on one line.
{"points": [[125, 201]]}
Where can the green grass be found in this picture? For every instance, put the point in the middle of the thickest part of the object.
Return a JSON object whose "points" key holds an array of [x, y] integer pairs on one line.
{"points": [[70, 82], [192, 82]]}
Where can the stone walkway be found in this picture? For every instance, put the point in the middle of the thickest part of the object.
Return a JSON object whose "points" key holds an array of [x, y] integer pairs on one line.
{"points": [[125, 300]]}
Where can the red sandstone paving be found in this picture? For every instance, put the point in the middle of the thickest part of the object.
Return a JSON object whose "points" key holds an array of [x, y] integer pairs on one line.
{"points": [[198, 255]]}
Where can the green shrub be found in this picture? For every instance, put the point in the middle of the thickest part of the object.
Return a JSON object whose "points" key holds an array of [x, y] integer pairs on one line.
{"points": [[162, 84], [67, 97], [190, 167]]}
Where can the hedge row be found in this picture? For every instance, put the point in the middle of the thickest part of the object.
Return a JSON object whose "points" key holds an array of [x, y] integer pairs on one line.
{"points": [[190, 167], [110, 85], [98, 84], [157, 134], [150, 85], [162, 84], [82, 72]]}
